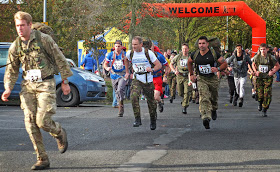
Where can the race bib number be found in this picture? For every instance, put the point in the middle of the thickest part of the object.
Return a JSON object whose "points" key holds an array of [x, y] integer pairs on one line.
{"points": [[239, 63], [139, 67], [205, 69], [34, 75], [263, 68], [183, 62], [118, 65]]}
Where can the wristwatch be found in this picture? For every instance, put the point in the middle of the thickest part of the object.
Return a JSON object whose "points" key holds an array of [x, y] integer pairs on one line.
{"points": [[65, 81]]}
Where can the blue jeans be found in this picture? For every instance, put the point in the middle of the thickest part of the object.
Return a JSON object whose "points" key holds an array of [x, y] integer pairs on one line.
{"points": [[115, 102], [167, 90], [127, 91], [278, 75]]}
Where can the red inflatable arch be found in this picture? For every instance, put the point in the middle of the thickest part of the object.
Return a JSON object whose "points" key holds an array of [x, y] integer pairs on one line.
{"points": [[237, 8]]}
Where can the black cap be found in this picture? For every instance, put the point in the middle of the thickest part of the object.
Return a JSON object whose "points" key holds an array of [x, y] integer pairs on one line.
{"points": [[174, 52], [118, 42]]}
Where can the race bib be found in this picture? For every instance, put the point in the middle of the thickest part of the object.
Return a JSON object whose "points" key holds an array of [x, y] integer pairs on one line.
{"points": [[34, 75], [205, 69], [139, 67], [118, 65], [263, 68], [183, 62], [239, 63]]}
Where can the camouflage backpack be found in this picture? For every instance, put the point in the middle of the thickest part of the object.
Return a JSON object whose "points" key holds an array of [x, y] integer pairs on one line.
{"points": [[214, 46], [39, 27]]}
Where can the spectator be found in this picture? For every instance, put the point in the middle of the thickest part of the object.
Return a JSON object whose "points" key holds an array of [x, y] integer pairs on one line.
{"points": [[88, 62]]}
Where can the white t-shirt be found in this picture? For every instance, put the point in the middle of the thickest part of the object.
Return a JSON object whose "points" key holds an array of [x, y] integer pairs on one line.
{"points": [[140, 63]]}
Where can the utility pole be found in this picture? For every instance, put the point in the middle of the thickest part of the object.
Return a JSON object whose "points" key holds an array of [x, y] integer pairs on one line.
{"points": [[45, 12], [132, 23], [227, 34]]}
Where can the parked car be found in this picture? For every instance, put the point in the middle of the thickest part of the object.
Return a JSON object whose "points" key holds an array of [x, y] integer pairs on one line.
{"points": [[85, 86]]}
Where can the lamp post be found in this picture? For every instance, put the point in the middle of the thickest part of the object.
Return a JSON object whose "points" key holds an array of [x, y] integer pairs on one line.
{"points": [[227, 34], [45, 12]]}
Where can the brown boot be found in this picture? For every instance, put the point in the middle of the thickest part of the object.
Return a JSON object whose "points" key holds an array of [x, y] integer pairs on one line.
{"points": [[41, 164], [62, 142], [121, 109]]}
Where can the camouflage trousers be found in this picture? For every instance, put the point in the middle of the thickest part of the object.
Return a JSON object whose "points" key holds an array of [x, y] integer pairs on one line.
{"points": [[208, 95], [184, 90], [171, 80], [38, 101], [264, 91], [195, 94], [148, 90]]}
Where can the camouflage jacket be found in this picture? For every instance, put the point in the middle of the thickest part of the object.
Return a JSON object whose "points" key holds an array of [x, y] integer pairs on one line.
{"points": [[269, 60], [34, 58], [180, 62]]}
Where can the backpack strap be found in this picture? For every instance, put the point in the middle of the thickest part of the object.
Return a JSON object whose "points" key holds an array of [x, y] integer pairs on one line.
{"points": [[148, 57], [258, 60], [131, 55], [49, 57], [114, 58], [195, 55], [214, 54]]}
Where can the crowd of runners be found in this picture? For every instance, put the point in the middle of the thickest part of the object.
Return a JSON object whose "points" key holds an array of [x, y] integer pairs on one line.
{"points": [[192, 76]]}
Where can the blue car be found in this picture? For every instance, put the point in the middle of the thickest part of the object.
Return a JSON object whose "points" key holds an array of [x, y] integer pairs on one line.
{"points": [[85, 86]]}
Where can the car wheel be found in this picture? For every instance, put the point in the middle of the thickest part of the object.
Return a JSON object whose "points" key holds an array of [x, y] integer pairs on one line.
{"points": [[72, 99]]}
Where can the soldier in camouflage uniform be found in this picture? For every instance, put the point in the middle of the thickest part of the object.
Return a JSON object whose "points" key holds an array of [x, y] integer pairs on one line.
{"points": [[171, 79], [205, 60], [264, 66], [143, 79], [41, 58], [179, 66]]}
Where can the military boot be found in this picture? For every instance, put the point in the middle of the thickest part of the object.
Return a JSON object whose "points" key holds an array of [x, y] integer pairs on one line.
{"points": [[235, 100], [171, 100], [206, 123], [61, 140], [137, 122], [214, 114], [41, 164], [160, 106], [153, 125], [184, 110], [260, 106], [121, 109], [264, 112], [241, 102]]}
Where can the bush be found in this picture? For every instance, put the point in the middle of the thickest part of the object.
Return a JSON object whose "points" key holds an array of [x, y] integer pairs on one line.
{"points": [[109, 94]]}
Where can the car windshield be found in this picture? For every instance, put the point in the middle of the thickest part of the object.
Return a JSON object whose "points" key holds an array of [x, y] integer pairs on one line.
{"points": [[3, 56]]}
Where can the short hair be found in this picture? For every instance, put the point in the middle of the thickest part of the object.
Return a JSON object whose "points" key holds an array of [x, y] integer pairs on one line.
{"points": [[20, 15], [118, 42], [185, 44], [139, 39], [147, 43], [238, 45], [203, 38], [264, 45]]}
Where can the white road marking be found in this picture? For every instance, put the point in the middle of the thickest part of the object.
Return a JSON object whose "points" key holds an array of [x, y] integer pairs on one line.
{"points": [[143, 159]]}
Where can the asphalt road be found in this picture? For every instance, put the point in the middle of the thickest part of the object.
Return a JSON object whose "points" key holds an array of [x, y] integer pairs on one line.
{"points": [[239, 140]]}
